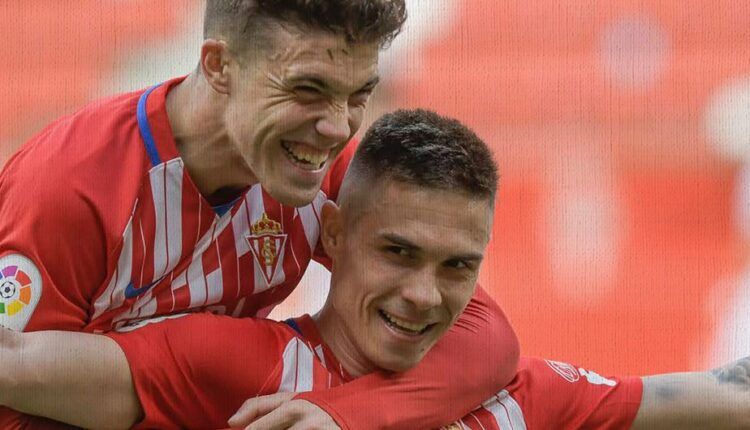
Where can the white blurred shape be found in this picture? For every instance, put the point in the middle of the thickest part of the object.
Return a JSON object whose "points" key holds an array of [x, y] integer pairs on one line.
{"points": [[727, 120], [733, 336], [582, 228], [427, 20], [309, 296], [635, 51], [742, 202]]}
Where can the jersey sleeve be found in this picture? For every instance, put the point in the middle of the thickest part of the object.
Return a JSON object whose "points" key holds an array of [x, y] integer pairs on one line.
{"points": [[195, 371], [12, 420], [52, 250], [552, 394], [476, 356], [331, 186]]}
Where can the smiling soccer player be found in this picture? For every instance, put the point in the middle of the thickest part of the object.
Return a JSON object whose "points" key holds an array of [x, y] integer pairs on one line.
{"points": [[406, 243]]}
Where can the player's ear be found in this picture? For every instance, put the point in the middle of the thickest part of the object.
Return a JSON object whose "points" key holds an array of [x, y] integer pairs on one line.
{"points": [[332, 228], [215, 64]]}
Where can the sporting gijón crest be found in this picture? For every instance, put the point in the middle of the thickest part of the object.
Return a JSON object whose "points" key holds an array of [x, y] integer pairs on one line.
{"points": [[267, 245]]}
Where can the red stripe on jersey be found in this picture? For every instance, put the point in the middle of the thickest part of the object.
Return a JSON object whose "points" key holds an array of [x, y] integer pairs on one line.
{"points": [[229, 269]]}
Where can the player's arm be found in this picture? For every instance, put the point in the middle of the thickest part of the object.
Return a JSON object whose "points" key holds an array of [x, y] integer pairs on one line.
{"points": [[719, 399], [78, 378], [455, 374]]}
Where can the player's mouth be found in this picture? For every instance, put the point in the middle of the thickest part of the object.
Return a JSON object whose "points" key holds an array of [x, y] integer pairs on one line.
{"points": [[405, 327], [305, 156]]}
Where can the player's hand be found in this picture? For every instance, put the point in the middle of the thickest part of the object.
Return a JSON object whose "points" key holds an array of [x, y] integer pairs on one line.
{"points": [[280, 412]]}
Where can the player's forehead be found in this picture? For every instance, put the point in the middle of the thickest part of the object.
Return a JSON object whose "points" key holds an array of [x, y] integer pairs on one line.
{"points": [[325, 59], [443, 222]]}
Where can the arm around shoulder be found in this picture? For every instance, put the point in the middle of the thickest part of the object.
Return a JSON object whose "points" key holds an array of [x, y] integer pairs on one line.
{"points": [[77, 378], [719, 399]]}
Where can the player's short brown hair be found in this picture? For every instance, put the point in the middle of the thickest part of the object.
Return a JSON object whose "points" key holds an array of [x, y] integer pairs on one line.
{"points": [[423, 148], [359, 21]]}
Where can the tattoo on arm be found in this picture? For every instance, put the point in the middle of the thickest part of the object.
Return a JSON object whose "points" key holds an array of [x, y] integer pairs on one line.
{"points": [[737, 373]]}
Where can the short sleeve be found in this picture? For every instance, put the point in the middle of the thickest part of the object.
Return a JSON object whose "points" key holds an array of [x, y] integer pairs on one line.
{"points": [[553, 394], [196, 370], [52, 249]]}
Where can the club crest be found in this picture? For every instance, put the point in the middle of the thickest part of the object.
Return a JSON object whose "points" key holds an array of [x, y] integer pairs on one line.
{"points": [[267, 243]]}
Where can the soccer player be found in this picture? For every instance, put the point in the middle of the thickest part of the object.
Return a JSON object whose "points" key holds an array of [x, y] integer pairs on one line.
{"points": [[406, 244], [204, 194]]}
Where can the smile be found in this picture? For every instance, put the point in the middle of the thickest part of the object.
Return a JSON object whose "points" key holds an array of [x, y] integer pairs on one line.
{"points": [[304, 155], [412, 329]]}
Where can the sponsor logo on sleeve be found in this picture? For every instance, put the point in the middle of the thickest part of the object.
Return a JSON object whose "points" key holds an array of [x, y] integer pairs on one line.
{"points": [[595, 378], [567, 371], [20, 291], [571, 374]]}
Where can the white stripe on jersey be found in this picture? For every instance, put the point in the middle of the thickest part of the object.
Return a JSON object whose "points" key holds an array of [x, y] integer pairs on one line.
{"points": [[507, 412], [214, 287], [114, 295], [196, 282], [310, 219], [297, 374], [166, 188]]}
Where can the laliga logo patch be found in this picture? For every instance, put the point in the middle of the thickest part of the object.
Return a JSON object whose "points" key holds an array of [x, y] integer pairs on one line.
{"points": [[20, 291], [568, 372], [267, 245]]}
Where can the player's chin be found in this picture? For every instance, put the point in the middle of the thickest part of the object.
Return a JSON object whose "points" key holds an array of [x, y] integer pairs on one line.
{"points": [[400, 363], [400, 359], [295, 193]]}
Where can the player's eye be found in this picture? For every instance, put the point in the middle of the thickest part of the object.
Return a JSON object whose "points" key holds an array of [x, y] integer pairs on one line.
{"points": [[457, 264], [397, 250], [307, 92], [360, 98]]}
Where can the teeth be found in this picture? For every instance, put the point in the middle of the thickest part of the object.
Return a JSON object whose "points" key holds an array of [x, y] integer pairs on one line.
{"points": [[304, 153], [404, 325]]}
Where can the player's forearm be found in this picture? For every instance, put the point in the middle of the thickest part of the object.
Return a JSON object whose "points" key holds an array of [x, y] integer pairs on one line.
{"points": [[719, 399], [80, 379]]}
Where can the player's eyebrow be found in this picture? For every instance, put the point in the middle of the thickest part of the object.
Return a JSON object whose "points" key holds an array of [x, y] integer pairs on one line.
{"points": [[473, 257], [320, 82], [401, 241], [406, 243]]}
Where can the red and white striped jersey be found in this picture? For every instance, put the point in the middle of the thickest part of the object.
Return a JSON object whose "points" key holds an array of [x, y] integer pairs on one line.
{"points": [[195, 372], [101, 226]]}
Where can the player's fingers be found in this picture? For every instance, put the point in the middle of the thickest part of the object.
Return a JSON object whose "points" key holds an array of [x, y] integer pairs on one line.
{"points": [[303, 425], [257, 407], [279, 419]]}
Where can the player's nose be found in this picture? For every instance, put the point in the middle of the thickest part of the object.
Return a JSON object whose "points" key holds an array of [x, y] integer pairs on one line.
{"points": [[334, 125], [421, 290]]}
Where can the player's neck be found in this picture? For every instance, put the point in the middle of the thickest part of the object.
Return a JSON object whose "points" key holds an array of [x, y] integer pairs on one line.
{"points": [[196, 117], [335, 336]]}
